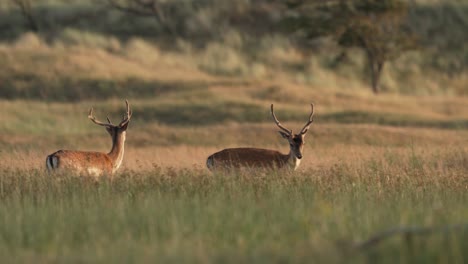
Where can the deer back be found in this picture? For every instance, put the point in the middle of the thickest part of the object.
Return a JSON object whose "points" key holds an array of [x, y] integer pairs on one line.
{"points": [[247, 157], [81, 162]]}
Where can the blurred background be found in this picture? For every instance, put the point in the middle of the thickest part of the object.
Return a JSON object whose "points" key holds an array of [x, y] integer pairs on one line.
{"points": [[421, 44], [202, 74]]}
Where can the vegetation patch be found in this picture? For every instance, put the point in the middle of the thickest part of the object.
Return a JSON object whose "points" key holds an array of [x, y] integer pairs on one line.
{"points": [[191, 214]]}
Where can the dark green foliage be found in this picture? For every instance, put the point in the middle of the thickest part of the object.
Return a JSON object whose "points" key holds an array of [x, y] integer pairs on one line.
{"points": [[377, 27], [440, 28], [26, 10]]}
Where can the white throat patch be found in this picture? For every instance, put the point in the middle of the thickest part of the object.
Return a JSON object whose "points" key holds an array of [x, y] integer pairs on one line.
{"points": [[294, 162], [119, 159]]}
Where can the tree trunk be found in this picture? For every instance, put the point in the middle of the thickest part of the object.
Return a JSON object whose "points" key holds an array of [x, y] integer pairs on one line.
{"points": [[162, 20], [31, 22], [26, 10], [376, 67], [146, 8], [375, 76]]}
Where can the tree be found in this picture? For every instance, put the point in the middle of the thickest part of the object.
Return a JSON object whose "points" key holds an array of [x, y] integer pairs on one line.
{"points": [[151, 8], [26, 10], [375, 26]]}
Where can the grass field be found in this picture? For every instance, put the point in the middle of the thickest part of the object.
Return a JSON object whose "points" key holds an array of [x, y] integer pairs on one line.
{"points": [[176, 214], [371, 163], [356, 180]]}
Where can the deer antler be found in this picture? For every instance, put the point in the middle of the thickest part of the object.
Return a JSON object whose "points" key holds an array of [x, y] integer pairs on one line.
{"points": [[311, 119], [126, 119], [289, 131], [97, 122], [127, 116]]}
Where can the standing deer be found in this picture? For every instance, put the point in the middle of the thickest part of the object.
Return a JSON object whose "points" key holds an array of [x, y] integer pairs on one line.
{"points": [[94, 163], [264, 158]]}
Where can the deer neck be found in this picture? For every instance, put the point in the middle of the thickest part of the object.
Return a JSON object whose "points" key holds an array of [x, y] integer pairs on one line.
{"points": [[117, 152], [292, 161]]}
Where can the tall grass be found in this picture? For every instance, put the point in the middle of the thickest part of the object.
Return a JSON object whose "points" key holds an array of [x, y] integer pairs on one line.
{"points": [[191, 215]]}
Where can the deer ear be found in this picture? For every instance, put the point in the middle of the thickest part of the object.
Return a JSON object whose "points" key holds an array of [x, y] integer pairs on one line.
{"points": [[124, 126], [109, 130], [284, 135]]}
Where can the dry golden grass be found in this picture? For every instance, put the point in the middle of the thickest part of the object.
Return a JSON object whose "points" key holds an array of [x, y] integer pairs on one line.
{"points": [[82, 62], [182, 147], [33, 129]]}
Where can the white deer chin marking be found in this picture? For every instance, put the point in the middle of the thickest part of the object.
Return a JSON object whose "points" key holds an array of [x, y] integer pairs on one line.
{"points": [[296, 163]]}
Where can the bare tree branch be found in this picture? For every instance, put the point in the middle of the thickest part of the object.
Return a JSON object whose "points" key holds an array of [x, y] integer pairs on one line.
{"points": [[26, 10], [147, 8], [408, 232], [129, 9]]}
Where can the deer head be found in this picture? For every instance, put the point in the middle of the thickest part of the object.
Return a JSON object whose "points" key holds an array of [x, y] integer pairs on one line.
{"points": [[296, 141], [113, 130]]}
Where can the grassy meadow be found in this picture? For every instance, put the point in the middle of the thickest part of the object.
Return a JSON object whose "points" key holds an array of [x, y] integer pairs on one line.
{"points": [[371, 163]]}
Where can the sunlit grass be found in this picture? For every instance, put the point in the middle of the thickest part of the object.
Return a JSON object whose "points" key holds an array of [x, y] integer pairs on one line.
{"points": [[354, 181], [186, 215]]}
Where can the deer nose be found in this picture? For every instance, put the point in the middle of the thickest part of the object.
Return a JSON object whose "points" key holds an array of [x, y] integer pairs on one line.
{"points": [[299, 156]]}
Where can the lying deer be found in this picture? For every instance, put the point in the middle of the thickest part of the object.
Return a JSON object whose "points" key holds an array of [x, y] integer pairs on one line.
{"points": [[266, 158]]}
